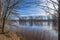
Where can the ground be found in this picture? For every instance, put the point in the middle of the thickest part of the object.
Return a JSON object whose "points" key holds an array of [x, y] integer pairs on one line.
{"points": [[10, 36]]}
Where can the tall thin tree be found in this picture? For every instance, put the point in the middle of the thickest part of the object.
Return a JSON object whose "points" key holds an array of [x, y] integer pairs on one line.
{"points": [[59, 19]]}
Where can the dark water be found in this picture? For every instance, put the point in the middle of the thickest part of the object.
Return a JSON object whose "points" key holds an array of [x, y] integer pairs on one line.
{"points": [[39, 30], [48, 25]]}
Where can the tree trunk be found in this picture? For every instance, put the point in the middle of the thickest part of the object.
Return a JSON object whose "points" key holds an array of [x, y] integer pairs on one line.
{"points": [[59, 20], [3, 25], [4, 19]]}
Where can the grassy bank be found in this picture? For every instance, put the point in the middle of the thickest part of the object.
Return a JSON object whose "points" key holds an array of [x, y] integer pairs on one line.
{"points": [[11, 36]]}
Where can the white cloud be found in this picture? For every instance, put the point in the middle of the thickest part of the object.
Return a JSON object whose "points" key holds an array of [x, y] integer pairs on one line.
{"points": [[38, 14]]}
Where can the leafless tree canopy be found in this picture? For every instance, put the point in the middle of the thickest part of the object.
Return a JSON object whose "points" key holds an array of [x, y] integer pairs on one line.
{"points": [[8, 9]]}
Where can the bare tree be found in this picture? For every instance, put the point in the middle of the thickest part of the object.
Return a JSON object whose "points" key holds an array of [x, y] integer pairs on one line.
{"points": [[0, 12], [7, 8], [59, 19]]}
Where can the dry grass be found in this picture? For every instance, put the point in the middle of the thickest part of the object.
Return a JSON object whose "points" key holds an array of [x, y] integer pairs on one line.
{"points": [[10, 36]]}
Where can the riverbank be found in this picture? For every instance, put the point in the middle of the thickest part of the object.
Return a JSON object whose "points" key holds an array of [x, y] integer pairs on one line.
{"points": [[11, 36]]}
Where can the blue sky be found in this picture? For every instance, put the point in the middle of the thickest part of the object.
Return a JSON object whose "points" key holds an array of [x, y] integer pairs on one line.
{"points": [[30, 7]]}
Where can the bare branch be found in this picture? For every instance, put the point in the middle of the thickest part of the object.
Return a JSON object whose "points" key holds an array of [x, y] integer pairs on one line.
{"points": [[48, 12], [53, 2], [14, 4], [48, 8]]}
